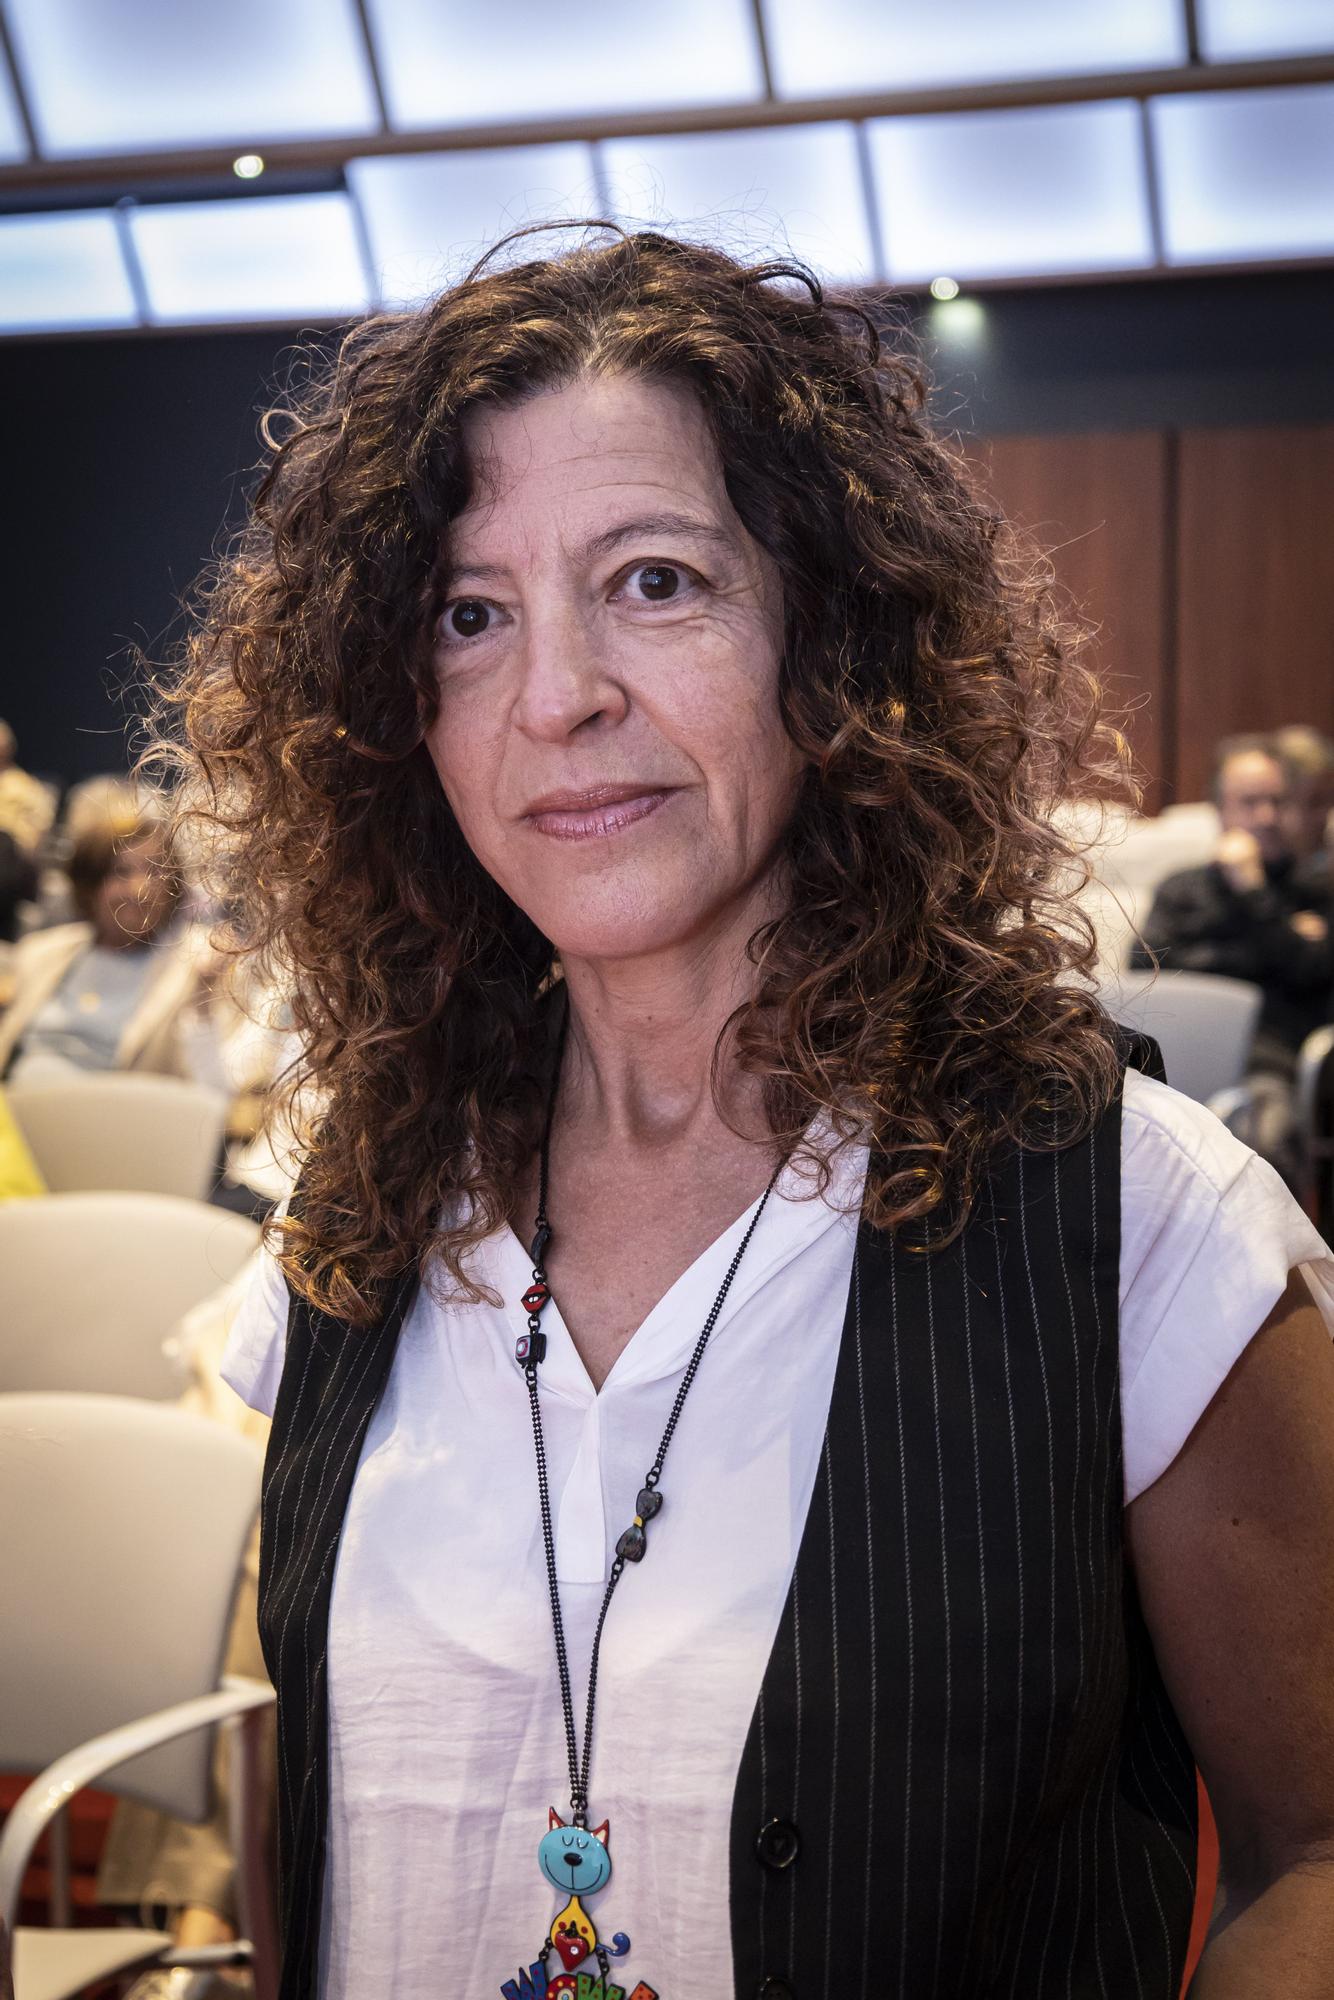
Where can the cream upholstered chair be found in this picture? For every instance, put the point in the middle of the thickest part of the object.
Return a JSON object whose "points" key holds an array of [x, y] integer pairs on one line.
{"points": [[92, 1287], [152, 1133], [126, 1523], [1204, 1025]]}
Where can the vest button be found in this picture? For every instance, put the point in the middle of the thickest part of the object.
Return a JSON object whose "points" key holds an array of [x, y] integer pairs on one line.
{"points": [[774, 1989], [778, 1844]]}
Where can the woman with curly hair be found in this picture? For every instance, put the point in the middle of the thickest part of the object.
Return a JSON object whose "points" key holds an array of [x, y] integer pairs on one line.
{"points": [[125, 986], [786, 1451]]}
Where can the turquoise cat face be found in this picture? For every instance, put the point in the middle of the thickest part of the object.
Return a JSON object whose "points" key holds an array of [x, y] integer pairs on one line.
{"points": [[574, 1860]]}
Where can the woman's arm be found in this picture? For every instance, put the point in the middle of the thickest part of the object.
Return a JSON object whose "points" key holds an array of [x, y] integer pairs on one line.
{"points": [[1233, 1549]]}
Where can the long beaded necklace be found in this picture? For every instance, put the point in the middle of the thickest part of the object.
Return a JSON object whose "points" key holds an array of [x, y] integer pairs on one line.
{"points": [[573, 1857]]}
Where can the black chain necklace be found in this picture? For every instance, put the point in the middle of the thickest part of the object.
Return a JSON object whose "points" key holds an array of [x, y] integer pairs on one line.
{"points": [[572, 1856]]}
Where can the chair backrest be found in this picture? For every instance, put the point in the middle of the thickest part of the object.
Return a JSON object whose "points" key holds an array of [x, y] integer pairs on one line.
{"points": [[1204, 1024], [91, 1285], [125, 1527], [152, 1133], [1146, 851]]}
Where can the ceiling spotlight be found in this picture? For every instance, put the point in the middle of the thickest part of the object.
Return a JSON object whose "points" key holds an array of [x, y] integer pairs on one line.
{"points": [[250, 166], [959, 322], [941, 288]]}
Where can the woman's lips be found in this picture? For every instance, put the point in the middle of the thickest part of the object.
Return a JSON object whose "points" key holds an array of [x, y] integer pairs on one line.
{"points": [[595, 818]]}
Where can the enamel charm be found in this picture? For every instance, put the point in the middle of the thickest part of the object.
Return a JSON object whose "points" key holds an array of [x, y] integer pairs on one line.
{"points": [[577, 1863]]}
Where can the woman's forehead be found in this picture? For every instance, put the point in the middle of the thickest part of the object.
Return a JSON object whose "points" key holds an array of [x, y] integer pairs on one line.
{"points": [[569, 458]]}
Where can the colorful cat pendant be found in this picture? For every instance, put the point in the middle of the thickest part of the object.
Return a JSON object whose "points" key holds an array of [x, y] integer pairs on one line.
{"points": [[576, 1861]]}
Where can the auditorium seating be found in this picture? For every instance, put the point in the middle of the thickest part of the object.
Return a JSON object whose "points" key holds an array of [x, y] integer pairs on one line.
{"points": [[133, 1521]]}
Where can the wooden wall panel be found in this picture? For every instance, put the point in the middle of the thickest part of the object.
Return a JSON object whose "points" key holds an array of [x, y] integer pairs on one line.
{"points": [[1098, 502], [1255, 586]]}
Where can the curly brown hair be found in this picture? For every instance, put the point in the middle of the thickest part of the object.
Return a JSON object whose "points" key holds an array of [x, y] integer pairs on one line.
{"points": [[914, 984]]}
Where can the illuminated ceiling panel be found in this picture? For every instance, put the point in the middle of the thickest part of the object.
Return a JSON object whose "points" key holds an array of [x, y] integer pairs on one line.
{"points": [[1234, 30], [757, 194], [990, 194], [285, 257], [1246, 173], [63, 271], [430, 216], [452, 62], [117, 76], [861, 45]]}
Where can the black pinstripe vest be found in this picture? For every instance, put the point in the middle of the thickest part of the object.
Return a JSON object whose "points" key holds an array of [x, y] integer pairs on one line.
{"points": [[963, 1775]]}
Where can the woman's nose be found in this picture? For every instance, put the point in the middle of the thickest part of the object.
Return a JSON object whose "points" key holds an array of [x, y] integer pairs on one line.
{"points": [[567, 682]]}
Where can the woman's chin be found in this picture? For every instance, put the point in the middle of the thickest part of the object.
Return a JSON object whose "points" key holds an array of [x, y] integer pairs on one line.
{"points": [[624, 931], [604, 942]]}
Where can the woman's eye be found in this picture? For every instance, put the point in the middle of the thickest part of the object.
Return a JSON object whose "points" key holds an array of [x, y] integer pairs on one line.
{"points": [[657, 581], [467, 619]]}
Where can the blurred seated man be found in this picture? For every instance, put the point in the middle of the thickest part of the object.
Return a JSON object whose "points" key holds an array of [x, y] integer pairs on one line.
{"points": [[1251, 914], [27, 806], [1308, 813], [121, 988], [18, 884]]}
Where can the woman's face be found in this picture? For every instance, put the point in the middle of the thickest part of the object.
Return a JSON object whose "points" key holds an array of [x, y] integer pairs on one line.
{"points": [[136, 896], [608, 734]]}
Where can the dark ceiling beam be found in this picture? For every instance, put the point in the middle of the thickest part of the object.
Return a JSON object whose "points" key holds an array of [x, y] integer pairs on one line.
{"points": [[1192, 24], [331, 154], [762, 48], [372, 55], [9, 56]]}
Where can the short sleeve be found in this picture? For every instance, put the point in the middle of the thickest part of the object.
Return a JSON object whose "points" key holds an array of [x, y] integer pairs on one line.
{"points": [[252, 1360], [1209, 1234]]}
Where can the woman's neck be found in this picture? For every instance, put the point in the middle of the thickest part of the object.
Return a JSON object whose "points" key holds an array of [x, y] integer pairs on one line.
{"points": [[639, 1062]]}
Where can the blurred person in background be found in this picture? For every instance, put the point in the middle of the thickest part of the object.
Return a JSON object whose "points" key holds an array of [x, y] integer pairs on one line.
{"points": [[1252, 913], [18, 884], [1308, 758], [93, 801], [122, 987], [27, 806]]}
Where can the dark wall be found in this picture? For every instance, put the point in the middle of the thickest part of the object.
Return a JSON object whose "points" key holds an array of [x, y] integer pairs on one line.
{"points": [[127, 459], [1170, 352], [127, 456]]}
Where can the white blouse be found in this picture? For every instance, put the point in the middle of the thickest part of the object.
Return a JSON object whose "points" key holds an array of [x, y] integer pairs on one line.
{"points": [[446, 1736]]}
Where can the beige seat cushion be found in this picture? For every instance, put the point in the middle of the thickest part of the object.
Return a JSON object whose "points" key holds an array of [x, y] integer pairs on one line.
{"points": [[51, 1965]]}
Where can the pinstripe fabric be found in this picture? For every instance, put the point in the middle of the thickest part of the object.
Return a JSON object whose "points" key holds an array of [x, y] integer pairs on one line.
{"points": [[332, 1380], [961, 1712], [995, 1797]]}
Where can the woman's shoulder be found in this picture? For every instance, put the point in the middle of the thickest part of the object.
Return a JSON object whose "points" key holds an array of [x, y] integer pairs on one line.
{"points": [[1209, 1234], [252, 1359], [1196, 1202], [1166, 1135]]}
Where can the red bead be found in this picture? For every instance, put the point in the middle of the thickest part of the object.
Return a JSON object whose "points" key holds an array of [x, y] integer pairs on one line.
{"points": [[535, 1298]]}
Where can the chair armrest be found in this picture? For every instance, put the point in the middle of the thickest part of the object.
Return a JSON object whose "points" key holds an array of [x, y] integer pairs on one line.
{"points": [[1312, 1057], [1314, 1053], [1232, 1104], [54, 1787]]}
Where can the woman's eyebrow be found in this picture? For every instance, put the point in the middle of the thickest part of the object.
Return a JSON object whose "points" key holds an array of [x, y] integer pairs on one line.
{"points": [[644, 527]]}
